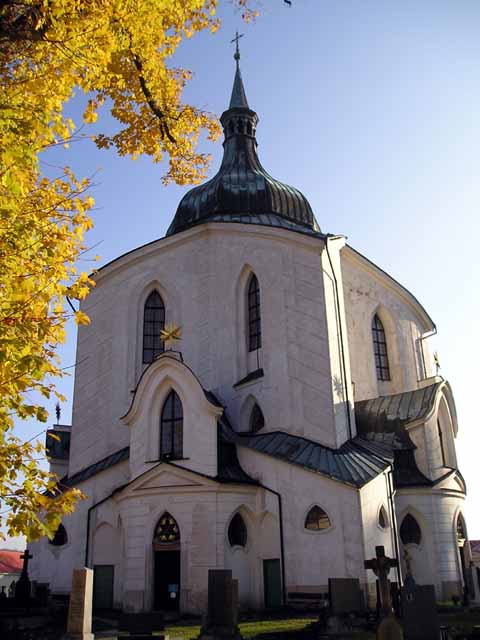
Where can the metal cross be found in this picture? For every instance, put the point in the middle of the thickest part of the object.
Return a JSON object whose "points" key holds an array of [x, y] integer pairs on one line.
{"points": [[236, 55]]}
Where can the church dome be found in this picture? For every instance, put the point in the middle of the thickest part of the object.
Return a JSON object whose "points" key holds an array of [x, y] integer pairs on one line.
{"points": [[242, 191]]}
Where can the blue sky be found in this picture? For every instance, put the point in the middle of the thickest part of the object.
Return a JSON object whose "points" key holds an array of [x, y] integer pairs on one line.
{"points": [[372, 110]]}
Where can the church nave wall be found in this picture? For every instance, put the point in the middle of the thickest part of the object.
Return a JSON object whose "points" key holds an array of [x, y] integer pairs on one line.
{"points": [[312, 557], [199, 274], [368, 291]]}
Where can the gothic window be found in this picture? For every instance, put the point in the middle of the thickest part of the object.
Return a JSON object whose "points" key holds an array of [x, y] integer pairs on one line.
{"points": [[60, 538], [442, 445], [171, 427], [237, 531], [167, 530], [153, 324], [382, 518], [257, 421], [410, 532], [317, 519], [380, 349], [254, 321], [461, 532]]}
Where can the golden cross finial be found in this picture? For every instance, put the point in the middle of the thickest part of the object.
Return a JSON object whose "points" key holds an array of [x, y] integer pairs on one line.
{"points": [[170, 334]]}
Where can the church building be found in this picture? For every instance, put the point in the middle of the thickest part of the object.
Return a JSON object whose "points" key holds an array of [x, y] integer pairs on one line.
{"points": [[297, 424]]}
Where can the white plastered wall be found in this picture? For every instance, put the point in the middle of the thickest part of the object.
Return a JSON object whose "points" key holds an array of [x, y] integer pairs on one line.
{"points": [[55, 564], [200, 274], [436, 560], [202, 509], [369, 291], [312, 557]]}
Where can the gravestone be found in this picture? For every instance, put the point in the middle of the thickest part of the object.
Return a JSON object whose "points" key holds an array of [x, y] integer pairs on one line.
{"points": [[420, 616], [389, 627], [23, 587], [79, 623], [345, 595], [222, 616]]}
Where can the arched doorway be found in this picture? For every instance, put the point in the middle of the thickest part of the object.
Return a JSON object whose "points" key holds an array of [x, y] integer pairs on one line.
{"points": [[166, 554]]}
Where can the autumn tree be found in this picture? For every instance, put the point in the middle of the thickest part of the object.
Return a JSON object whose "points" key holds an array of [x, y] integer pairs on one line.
{"points": [[119, 53]]}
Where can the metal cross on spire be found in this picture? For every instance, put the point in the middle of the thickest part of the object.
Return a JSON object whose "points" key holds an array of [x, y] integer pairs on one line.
{"points": [[236, 55]]}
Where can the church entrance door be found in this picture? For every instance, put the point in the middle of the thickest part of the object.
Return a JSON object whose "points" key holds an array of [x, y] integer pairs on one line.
{"points": [[167, 580], [166, 570]]}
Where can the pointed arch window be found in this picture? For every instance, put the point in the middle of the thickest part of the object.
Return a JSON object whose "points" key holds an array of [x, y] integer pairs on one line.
{"points": [[317, 519], [167, 530], [237, 531], [60, 538], [410, 532], [153, 324], [257, 421], [171, 427], [442, 444], [461, 531], [382, 518], [380, 349], [254, 319]]}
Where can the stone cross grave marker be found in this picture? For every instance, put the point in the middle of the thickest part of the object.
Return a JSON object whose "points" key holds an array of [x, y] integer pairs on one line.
{"points": [[222, 616], [23, 588], [389, 628], [79, 624]]}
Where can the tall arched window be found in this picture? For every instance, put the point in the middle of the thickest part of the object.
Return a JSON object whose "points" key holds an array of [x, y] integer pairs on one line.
{"points": [[317, 519], [257, 421], [410, 532], [237, 531], [254, 320], [380, 349], [153, 324], [442, 445], [171, 427]]}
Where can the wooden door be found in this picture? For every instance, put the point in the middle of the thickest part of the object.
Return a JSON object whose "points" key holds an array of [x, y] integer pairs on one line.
{"points": [[272, 583], [103, 575]]}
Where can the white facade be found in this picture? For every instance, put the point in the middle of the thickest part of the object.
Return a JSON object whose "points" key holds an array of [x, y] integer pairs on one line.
{"points": [[313, 376]]}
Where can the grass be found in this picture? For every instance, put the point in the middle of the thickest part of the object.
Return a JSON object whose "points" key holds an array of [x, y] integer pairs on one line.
{"points": [[248, 630]]}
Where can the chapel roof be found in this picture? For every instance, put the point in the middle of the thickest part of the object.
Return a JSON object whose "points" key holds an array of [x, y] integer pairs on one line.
{"points": [[384, 420], [355, 463], [242, 190]]}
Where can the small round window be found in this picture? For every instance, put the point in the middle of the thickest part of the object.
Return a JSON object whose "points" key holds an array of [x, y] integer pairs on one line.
{"points": [[237, 531]]}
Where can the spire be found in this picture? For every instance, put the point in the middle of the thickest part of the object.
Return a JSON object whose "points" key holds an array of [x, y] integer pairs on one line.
{"points": [[238, 99], [242, 191]]}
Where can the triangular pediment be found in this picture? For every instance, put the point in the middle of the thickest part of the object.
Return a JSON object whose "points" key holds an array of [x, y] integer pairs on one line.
{"points": [[167, 477]]}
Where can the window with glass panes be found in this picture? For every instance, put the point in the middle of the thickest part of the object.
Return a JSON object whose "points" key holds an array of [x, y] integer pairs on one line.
{"points": [[171, 427], [153, 325], [380, 349], [254, 320]]}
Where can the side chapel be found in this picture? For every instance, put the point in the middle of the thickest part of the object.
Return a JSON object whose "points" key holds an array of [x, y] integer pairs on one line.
{"points": [[300, 423]]}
